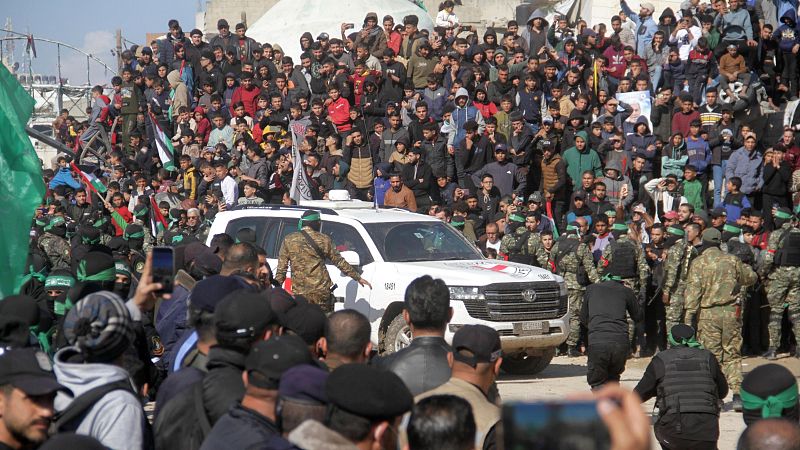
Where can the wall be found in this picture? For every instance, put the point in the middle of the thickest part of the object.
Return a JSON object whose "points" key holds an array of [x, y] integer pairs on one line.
{"points": [[231, 10]]}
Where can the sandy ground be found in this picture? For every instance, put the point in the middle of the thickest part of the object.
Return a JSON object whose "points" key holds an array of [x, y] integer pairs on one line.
{"points": [[568, 375]]}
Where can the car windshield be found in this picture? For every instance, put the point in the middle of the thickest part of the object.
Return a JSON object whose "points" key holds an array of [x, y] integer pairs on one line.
{"points": [[420, 241]]}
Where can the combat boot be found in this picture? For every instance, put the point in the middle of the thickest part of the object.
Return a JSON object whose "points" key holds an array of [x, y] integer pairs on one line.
{"points": [[737, 403], [575, 352], [770, 354]]}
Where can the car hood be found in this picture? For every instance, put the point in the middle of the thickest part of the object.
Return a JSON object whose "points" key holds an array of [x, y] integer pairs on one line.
{"points": [[478, 272]]}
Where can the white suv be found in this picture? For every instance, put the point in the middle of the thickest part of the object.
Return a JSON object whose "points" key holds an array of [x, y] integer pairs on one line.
{"points": [[392, 247]]}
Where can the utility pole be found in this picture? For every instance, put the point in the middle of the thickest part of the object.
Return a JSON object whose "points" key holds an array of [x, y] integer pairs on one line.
{"points": [[119, 49]]}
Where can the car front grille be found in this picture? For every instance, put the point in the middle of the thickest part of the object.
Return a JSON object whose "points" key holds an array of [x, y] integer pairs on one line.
{"points": [[505, 302]]}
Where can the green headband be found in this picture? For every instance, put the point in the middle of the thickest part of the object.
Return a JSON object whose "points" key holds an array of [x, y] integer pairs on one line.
{"points": [[571, 228], [773, 405], [457, 222], [40, 223], [619, 227], [608, 277], [610, 213], [59, 281], [104, 275], [177, 238], [100, 223], [138, 235], [691, 342], [54, 222], [314, 217], [783, 215], [516, 218], [675, 231], [88, 240], [731, 229], [122, 269], [141, 212]]}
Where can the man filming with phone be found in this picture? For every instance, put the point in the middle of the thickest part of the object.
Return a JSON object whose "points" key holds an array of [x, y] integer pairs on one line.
{"points": [[307, 250]]}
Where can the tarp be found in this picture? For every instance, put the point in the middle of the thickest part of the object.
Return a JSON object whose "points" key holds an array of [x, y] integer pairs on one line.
{"points": [[285, 22]]}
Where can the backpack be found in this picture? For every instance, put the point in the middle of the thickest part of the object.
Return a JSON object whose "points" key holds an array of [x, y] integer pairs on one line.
{"points": [[70, 418], [571, 246]]}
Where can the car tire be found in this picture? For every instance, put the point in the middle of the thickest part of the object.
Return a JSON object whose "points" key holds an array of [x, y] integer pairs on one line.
{"points": [[521, 364], [397, 336]]}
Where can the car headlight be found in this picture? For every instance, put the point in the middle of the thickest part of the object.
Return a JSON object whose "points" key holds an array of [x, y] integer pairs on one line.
{"points": [[465, 293], [562, 289]]}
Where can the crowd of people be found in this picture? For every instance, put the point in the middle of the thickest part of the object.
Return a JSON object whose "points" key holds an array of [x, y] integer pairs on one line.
{"points": [[678, 205]]}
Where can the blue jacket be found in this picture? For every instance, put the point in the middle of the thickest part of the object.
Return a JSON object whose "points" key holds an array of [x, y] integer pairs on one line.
{"points": [[746, 166], [699, 154], [787, 34], [64, 178], [171, 321], [645, 28]]}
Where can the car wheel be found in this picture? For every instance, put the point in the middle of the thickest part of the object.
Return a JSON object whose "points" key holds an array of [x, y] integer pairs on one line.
{"points": [[521, 364], [397, 337]]}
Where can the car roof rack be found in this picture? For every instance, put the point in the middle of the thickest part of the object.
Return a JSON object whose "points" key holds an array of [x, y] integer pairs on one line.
{"points": [[279, 207]]}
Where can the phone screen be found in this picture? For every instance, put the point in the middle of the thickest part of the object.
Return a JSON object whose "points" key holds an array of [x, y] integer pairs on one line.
{"points": [[163, 267], [553, 426]]}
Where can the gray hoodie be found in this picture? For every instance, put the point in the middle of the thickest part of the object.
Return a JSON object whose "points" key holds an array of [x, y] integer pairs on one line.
{"points": [[117, 420], [614, 185]]}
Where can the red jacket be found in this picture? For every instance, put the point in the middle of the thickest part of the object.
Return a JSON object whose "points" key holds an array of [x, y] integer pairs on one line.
{"points": [[339, 113], [248, 97], [681, 121]]}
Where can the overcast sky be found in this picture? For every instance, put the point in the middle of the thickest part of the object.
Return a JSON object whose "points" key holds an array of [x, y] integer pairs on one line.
{"points": [[89, 25]]}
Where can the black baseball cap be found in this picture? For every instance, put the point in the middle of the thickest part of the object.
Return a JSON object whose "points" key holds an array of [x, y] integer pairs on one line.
{"points": [[368, 392], [305, 320], [30, 371], [269, 359], [244, 314], [474, 344]]}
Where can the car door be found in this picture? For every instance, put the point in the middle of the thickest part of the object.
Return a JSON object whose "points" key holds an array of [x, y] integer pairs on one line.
{"points": [[345, 237]]}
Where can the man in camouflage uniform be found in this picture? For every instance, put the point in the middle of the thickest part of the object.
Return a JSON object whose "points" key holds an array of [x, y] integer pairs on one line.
{"points": [[570, 255], [713, 297], [781, 267], [310, 277], [630, 266], [676, 271], [54, 243], [522, 246]]}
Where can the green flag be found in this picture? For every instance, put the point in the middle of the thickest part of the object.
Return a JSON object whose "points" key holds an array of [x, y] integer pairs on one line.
{"points": [[21, 184]]}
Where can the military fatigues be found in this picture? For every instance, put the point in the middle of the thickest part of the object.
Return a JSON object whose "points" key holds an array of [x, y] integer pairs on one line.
{"points": [[310, 278], [781, 266], [57, 250], [569, 256], [524, 247], [712, 295], [633, 271], [676, 271]]}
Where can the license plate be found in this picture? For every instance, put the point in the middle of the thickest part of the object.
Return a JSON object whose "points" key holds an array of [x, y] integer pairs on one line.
{"points": [[531, 328]]}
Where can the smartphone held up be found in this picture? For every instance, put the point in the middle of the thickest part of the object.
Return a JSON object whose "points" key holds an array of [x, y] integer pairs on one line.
{"points": [[574, 425]]}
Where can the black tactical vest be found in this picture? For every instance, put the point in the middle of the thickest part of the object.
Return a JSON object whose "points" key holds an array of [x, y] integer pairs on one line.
{"points": [[688, 386], [623, 260], [519, 251], [789, 252]]}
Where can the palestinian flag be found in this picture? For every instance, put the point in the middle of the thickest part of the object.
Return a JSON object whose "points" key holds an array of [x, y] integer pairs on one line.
{"points": [[91, 181], [119, 220], [157, 221], [164, 145]]}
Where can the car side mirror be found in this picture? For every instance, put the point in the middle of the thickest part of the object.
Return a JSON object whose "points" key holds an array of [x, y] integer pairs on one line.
{"points": [[352, 258]]}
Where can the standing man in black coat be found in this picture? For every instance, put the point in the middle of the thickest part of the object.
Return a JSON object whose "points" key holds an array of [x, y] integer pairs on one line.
{"points": [[603, 313]]}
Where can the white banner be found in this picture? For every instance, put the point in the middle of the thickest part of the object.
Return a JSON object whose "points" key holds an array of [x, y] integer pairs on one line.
{"points": [[301, 187]]}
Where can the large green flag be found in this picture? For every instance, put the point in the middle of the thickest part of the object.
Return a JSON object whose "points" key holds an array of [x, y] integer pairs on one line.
{"points": [[21, 185]]}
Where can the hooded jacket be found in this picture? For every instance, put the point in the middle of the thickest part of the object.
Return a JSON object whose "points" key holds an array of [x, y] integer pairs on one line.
{"points": [[179, 93], [667, 29], [642, 144], [460, 116], [614, 185], [578, 162], [787, 34], [674, 158], [116, 420], [534, 39]]}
